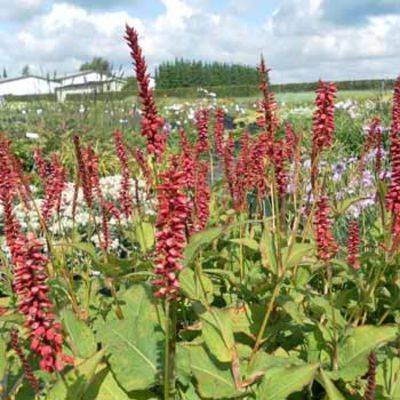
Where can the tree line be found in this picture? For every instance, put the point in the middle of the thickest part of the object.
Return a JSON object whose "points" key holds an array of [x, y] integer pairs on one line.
{"points": [[183, 73]]}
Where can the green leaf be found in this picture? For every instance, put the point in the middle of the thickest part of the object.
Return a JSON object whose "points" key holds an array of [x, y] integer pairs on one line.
{"points": [[214, 379], [250, 243], [388, 376], [83, 340], [105, 387], [138, 301], [3, 358], [144, 232], [199, 240], [196, 287], [353, 355], [268, 251], [342, 206], [331, 391], [135, 344], [217, 333], [76, 381], [280, 382], [297, 254]]}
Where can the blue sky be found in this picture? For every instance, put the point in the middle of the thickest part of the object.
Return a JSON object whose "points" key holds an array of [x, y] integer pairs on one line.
{"points": [[302, 40]]}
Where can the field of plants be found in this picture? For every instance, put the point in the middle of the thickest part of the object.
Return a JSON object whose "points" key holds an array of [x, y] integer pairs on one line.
{"points": [[155, 248]]}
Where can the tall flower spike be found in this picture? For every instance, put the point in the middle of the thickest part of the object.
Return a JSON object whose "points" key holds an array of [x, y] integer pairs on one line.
{"points": [[373, 141], [219, 117], [353, 245], [396, 108], [152, 123], [279, 159], [258, 157], [124, 194], [393, 193], [371, 376], [91, 160], [31, 287], [30, 278], [54, 185], [229, 165], [268, 118], [323, 123], [326, 244], [84, 180], [174, 211], [29, 375], [202, 196], [242, 171], [202, 119], [187, 160], [291, 141]]}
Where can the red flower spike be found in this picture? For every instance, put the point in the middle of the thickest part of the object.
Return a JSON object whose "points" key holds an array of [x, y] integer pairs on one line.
{"points": [[229, 165], [124, 194], [152, 123], [188, 162], [173, 215], [353, 245], [393, 193], [291, 141], [258, 156], [202, 120], [29, 375], [323, 122], [326, 244], [202, 196], [268, 118], [54, 185], [279, 159], [82, 173], [219, 117], [243, 181], [374, 141]]}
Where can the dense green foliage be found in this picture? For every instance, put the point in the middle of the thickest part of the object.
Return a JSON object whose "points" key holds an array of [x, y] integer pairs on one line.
{"points": [[181, 73]]}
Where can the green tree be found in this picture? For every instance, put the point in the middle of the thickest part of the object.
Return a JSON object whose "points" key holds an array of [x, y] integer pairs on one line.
{"points": [[97, 64], [4, 73]]}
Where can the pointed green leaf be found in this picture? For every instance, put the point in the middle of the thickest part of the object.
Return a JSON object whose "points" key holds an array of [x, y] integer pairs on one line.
{"points": [[279, 382], [217, 333], [83, 342], [353, 355], [331, 391], [196, 287], [199, 240], [214, 379], [76, 381]]}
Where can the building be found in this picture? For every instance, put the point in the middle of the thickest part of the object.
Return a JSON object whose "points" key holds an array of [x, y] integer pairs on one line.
{"points": [[86, 82], [27, 85]]}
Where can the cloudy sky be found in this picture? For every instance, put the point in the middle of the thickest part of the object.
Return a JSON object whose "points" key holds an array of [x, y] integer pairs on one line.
{"points": [[302, 40]]}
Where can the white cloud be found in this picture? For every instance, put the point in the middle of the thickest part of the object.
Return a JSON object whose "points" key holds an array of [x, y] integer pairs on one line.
{"points": [[19, 9], [297, 39]]}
